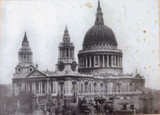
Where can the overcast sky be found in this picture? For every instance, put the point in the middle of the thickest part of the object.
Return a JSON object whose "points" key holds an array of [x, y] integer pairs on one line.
{"points": [[134, 22]]}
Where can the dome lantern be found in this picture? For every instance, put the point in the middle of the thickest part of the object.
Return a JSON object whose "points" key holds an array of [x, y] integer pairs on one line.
{"points": [[99, 15]]}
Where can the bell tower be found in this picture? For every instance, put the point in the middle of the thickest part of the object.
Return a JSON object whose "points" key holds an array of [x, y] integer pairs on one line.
{"points": [[66, 61], [25, 64], [25, 53]]}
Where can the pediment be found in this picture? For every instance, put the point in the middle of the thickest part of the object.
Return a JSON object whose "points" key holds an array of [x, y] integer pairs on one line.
{"points": [[137, 76], [36, 73]]}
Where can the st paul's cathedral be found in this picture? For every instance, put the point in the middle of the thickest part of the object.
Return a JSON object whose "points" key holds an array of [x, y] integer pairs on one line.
{"points": [[97, 74]]}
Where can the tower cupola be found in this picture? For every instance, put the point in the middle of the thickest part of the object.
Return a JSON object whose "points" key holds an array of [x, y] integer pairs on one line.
{"points": [[66, 60], [25, 64]]}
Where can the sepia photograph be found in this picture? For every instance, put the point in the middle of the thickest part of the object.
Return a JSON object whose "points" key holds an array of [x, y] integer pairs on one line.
{"points": [[79, 57]]}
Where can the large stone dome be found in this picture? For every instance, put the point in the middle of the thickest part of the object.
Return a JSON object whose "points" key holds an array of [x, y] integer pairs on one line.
{"points": [[100, 54], [99, 34]]}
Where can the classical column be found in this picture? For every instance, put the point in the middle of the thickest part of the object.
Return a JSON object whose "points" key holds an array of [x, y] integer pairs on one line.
{"points": [[83, 87], [69, 55], [111, 61], [90, 62], [41, 88], [25, 86], [120, 61], [103, 61], [28, 87], [79, 63], [86, 62], [94, 60], [99, 61], [48, 86], [32, 87], [14, 88], [111, 88], [45, 88], [107, 60], [72, 53], [65, 52], [83, 62], [38, 91], [115, 61]]}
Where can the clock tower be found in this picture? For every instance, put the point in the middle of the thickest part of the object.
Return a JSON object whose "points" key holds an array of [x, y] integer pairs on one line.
{"points": [[66, 61], [25, 64]]}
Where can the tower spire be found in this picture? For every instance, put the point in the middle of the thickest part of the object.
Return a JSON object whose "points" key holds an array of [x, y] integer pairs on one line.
{"points": [[25, 37], [66, 37], [66, 30], [99, 15], [25, 41], [25, 53]]}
